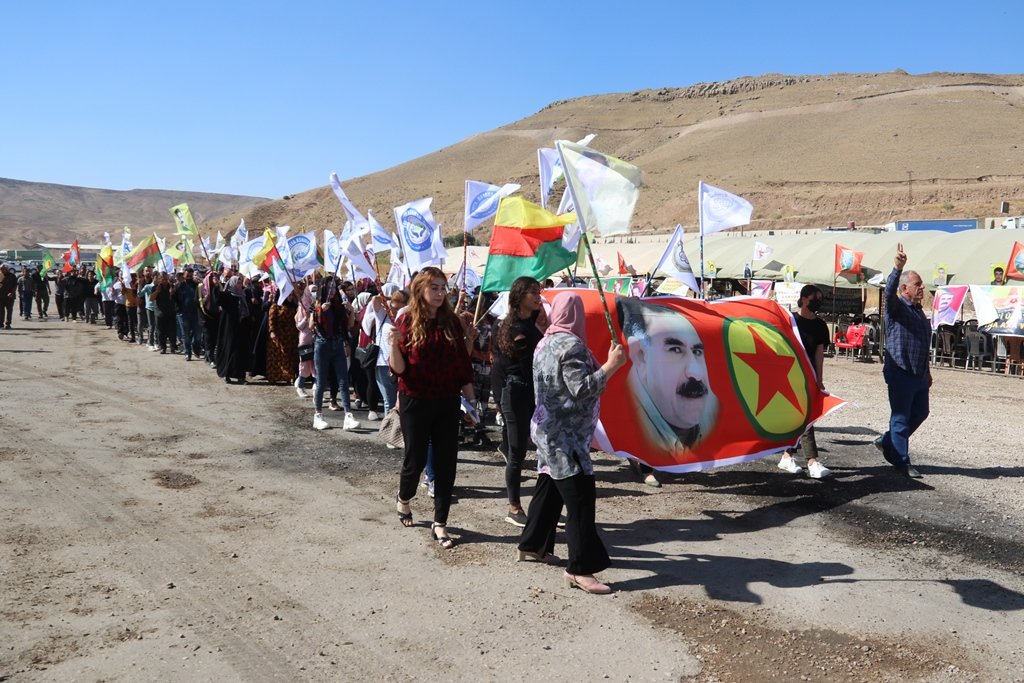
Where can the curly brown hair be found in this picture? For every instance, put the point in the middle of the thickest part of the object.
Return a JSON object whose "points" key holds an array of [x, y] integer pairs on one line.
{"points": [[520, 288]]}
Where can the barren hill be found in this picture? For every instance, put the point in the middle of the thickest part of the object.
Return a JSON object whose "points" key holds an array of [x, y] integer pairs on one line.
{"points": [[806, 150], [43, 212]]}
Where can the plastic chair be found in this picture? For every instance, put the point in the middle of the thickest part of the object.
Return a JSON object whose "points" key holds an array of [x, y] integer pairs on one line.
{"points": [[853, 340], [944, 351], [976, 351]]}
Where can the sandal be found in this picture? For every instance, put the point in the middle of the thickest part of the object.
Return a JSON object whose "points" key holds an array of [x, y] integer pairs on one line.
{"points": [[446, 542], [404, 517]]}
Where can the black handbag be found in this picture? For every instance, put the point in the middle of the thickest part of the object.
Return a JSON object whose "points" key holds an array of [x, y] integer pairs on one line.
{"points": [[367, 356], [305, 353]]}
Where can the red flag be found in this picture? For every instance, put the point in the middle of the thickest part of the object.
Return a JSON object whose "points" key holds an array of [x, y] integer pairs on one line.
{"points": [[707, 384], [67, 262], [625, 268], [76, 255], [1015, 266], [848, 260]]}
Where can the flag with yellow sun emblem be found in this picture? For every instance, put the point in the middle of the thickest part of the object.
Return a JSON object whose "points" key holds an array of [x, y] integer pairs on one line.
{"points": [[707, 383]]}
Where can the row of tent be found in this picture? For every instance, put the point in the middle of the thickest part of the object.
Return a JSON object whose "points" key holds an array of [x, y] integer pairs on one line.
{"points": [[966, 257]]}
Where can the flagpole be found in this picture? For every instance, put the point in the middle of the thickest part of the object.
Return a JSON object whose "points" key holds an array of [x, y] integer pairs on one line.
{"points": [[700, 225], [600, 289]]}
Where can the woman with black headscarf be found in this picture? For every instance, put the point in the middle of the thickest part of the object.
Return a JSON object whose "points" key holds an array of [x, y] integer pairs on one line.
{"points": [[236, 331]]}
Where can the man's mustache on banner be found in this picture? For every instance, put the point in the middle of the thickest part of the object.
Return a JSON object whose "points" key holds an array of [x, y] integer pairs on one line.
{"points": [[707, 383]]}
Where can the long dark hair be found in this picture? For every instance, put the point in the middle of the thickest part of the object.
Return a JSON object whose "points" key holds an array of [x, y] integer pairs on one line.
{"points": [[328, 286], [520, 288]]}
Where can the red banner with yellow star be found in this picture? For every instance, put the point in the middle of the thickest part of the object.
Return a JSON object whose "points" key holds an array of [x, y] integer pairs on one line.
{"points": [[707, 383]]}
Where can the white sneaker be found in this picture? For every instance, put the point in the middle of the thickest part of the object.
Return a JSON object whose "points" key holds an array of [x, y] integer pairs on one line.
{"points": [[787, 463], [371, 416], [319, 422], [301, 392], [350, 422], [818, 471], [499, 420], [391, 448]]}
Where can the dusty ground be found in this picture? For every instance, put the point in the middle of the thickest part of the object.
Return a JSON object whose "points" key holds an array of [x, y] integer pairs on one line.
{"points": [[156, 524]]}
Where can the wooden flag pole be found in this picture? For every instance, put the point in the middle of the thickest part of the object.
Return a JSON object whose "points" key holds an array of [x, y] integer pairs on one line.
{"points": [[465, 265], [600, 289], [476, 315]]}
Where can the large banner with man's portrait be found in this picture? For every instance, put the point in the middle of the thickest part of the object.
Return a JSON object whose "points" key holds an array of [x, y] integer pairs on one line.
{"points": [[707, 383]]}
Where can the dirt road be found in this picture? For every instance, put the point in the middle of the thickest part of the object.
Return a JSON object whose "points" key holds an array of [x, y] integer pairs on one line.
{"points": [[156, 524]]}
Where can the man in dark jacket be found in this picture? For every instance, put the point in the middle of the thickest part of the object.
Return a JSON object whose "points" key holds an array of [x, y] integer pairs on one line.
{"points": [[8, 290], [26, 292]]}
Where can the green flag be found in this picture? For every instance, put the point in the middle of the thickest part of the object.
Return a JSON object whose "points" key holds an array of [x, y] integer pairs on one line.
{"points": [[49, 263], [183, 220]]}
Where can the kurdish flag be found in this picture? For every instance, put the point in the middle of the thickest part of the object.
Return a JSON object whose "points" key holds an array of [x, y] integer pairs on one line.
{"points": [[49, 263], [183, 219], [268, 259], [751, 393], [105, 270], [146, 253], [527, 240]]}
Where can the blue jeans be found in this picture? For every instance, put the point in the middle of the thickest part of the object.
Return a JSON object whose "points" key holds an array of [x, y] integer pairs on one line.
{"points": [[187, 331], [330, 358], [388, 387], [908, 401]]}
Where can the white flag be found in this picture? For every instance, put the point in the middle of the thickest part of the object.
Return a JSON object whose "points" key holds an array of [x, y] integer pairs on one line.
{"points": [[241, 235], [246, 253], [674, 262], [465, 279], [332, 253], [380, 239], [396, 250], [762, 251], [604, 189], [551, 168], [550, 171], [106, 239], [417, 228], [398, 275], [721, 210], [219, 246], [358, 220], [283, 248], [126, 243], [303, 250], [499, 309], [360, 266], [482, 201]]}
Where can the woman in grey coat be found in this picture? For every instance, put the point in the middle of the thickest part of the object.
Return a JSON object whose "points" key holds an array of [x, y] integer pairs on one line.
{"points": [[568, 383]]}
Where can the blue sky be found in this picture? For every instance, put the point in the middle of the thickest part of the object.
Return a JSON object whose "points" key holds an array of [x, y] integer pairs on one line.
{"points": [[267, 98]]}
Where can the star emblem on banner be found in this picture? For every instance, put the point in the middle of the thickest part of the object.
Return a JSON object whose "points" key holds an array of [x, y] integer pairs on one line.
{"points": [[769, 379]]}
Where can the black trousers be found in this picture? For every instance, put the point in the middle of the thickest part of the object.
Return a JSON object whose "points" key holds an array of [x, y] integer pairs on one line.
{"points": [[60, 306], [132, 321], [167, 329], [121, 319], [209, 336], [74, 307], [517, 404], [587, 554], [435, 421], [108, 313]]}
